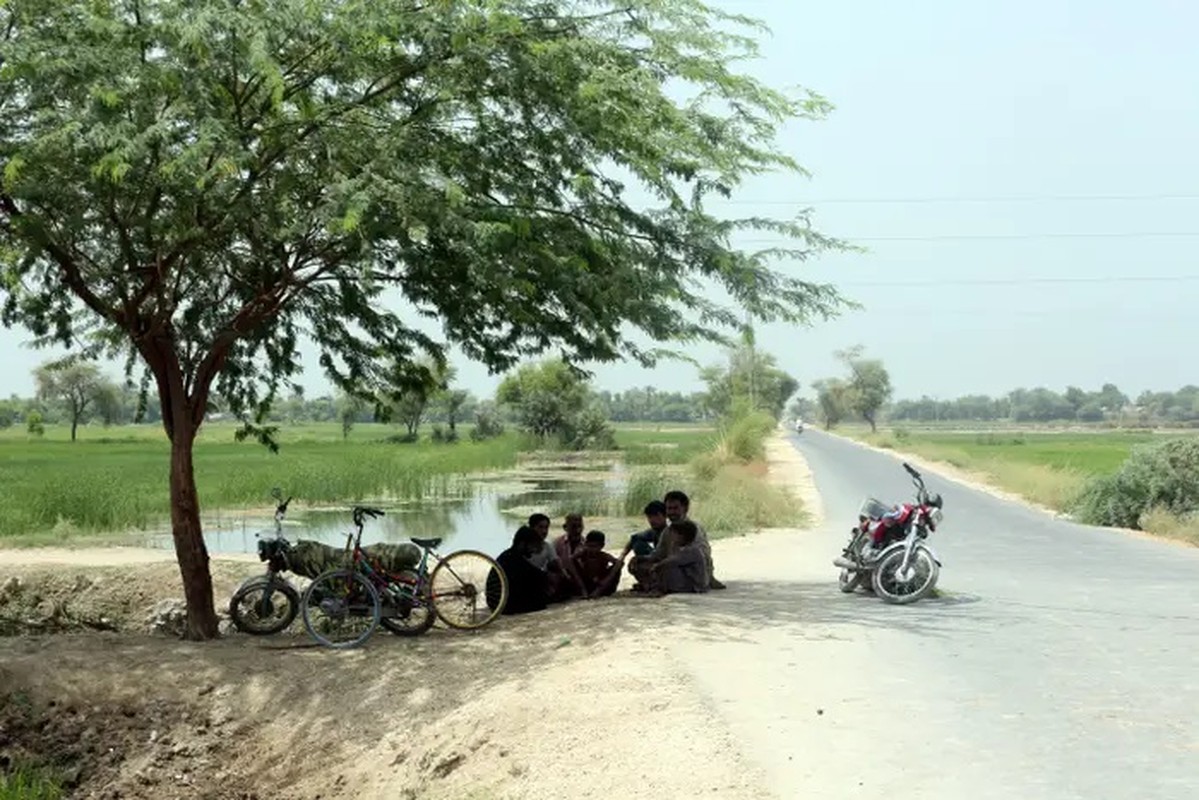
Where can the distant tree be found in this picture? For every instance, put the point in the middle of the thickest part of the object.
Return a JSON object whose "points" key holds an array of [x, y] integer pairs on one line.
{"points": [[350, 409], [110, 403], [76, 385], [832, 401], [488, 424], [409, 389], [545, 397], [455, 400], [748, 375], [869, 384]]}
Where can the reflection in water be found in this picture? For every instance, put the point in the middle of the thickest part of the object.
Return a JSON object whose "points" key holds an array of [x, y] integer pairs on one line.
{"points": [[478, 522]]}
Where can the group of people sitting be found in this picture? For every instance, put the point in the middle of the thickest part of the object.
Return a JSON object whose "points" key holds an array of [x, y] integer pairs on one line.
{"points": [[672, 555]]}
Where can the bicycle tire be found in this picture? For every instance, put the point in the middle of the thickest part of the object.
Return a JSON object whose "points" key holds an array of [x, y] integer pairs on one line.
{"points": [[476, 594], [359, 580]]}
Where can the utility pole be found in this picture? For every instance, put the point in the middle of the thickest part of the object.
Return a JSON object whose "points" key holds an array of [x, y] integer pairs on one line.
{"points": [[753, 361]]}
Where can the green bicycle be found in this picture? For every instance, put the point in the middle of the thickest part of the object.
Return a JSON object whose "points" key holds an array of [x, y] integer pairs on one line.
{"points": [[343, 607]]}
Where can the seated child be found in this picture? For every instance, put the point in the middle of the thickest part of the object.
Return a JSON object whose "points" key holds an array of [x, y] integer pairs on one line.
{"points": [[685, 570], [599, 571]]}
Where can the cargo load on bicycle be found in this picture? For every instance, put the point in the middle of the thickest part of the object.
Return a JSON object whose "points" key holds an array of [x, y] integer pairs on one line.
{"points": [[309, 559]]}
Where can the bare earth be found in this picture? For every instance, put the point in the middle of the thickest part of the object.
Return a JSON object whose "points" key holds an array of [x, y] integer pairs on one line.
{"points": [[619, 698]]}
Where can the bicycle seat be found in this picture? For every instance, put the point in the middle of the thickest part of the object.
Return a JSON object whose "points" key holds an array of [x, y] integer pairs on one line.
{"points": [[430, 544]]}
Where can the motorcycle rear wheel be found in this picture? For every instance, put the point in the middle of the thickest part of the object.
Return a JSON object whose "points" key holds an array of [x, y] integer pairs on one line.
{"points": [[888, 585]]}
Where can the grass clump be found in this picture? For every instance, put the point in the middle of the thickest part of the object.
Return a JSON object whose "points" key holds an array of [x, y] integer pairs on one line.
{"points": [[28, 783], [726, 482]]}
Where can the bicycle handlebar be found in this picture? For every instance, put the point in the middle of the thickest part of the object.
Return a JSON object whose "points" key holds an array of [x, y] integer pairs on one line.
{"points": [[359, 512], [282, 507]]}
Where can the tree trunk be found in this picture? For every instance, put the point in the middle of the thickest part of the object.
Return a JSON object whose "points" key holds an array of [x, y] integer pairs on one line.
{"points": [[189, 539], [873, 427], [74, 426]]}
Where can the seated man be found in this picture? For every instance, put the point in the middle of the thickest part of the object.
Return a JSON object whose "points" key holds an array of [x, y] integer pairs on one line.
{"points": [[546, 559], [642, 544], [527, 585], [677, 506], [565, 547], [599, 571], [685, 570]]}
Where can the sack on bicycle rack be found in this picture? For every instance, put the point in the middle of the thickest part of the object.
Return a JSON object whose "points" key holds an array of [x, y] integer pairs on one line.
{"points": [[309, 559]]}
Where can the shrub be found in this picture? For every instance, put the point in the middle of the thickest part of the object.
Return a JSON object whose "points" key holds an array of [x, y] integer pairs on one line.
{"points": [[1157, 477], [589, 430], [487, 424], [34, 424], [744, 438]]}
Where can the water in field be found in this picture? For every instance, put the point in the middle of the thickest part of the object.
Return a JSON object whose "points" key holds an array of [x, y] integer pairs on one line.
{"points": [[484, 516]]}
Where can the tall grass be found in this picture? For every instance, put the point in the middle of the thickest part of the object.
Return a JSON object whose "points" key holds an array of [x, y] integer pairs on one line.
{"points": [[121, 484], [24, 783], [726, 483]]}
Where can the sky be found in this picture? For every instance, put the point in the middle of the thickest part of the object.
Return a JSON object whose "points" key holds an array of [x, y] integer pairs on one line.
{"points": [[1023, 176]]}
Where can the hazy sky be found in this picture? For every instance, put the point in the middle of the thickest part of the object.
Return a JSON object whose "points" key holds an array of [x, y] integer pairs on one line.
{"points": [[1024, 175]]}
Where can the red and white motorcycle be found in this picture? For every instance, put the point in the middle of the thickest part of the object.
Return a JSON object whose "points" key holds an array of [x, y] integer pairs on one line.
{"points": [[903, 568]]}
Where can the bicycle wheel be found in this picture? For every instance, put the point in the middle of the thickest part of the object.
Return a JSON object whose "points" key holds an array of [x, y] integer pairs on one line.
{"points": [[411, 617], [461, 584], [340, 609]]}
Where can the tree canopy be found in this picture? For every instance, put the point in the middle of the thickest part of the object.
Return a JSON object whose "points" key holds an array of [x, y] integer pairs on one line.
{"points": [[201, 185], [749, 376]]}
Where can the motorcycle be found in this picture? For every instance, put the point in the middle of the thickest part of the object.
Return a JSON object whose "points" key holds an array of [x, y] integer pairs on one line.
{"points": [[267, 604], [904, 568]]}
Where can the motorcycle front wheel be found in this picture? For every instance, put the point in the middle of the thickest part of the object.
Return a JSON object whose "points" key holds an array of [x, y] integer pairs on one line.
{"points": [[263, 609], [848, 580], [901, 588]]}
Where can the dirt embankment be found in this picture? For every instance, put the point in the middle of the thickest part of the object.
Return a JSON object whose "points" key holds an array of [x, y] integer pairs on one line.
{"points": [[582, 701]]}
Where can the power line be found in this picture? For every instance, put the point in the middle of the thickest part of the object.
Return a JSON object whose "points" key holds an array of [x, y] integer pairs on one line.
{"points": [[1098, 279], [947, 237], [1050, 198]]}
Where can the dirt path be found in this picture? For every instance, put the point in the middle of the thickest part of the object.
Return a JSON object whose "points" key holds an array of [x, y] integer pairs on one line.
{"points": [[605, 699]]}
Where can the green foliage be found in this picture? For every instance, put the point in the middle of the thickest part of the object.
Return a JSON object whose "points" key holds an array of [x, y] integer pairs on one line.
{"points": [[33, 424], [1161, 477], [868, 388], [488, 424], [589, 430], [552, 400], [248, 170], [77, 386], [749, 377], [651, 446], [832, 400], [744, 438], [20, 782]]}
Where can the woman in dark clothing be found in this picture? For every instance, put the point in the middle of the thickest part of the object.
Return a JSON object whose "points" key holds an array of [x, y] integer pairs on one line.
{"points": [[528, 588]]}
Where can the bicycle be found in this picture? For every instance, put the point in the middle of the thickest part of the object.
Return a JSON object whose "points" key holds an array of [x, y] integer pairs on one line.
{"points": [[406, 602]]}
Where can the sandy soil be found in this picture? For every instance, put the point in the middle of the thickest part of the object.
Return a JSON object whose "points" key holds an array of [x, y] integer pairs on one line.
{"points": [[589, 700]]}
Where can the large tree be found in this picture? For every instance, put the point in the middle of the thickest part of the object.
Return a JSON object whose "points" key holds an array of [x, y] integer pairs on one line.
{"points": [[200, 185]]}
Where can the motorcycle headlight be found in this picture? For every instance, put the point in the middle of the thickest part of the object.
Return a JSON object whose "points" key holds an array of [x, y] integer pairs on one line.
{"points": [[937, 516]]}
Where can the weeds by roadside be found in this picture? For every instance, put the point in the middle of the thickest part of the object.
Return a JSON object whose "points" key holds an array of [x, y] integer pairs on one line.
{"points": [[22, 782]]}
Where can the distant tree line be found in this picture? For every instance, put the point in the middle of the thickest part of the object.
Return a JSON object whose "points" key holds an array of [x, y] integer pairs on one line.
{"points": [[1108, 404]]}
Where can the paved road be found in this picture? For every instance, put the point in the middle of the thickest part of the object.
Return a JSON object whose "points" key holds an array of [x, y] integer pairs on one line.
{"points": [[1064, 662]]}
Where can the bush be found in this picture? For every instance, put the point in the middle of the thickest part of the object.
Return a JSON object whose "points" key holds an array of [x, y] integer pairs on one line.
{"points": [[23, 783], [1163, 478], [589, 430], [442, 436], [34, 424], [487, 424]]}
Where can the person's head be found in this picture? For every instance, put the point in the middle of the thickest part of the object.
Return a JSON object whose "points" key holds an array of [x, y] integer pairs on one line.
{"points": [[684, 532], [594, 540], [655, 515], [526, 542], [677, 504], [573, 525], [541, 524]]}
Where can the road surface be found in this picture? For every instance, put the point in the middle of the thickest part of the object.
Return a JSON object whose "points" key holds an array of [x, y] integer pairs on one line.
{"points": [[1063, 662]]}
